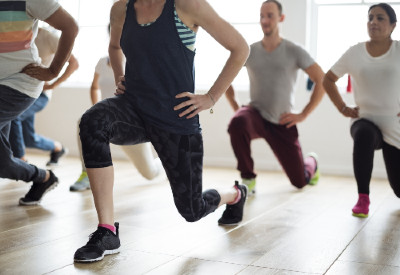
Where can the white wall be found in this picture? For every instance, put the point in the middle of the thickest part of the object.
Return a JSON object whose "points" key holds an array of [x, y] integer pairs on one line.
{"points": [[325, 132]]}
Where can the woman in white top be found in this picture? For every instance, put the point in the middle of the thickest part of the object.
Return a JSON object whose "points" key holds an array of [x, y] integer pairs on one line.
{"points": [[375, 69]]}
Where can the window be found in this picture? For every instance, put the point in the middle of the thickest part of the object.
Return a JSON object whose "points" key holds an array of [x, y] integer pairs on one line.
{"points": [[210, 56], [92, 41], [341, 24]]}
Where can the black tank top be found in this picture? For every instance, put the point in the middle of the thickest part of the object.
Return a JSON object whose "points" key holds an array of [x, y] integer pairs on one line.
{"points": [[158, 67]]}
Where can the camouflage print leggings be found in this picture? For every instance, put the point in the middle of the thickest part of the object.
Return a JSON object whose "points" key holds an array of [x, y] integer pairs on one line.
{"points": [[114, 120]]}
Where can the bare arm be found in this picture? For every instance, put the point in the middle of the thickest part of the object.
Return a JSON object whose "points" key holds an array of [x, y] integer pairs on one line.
{"points": [[329, 83], [200, 13], [63, 21], [117, 19], [316, 75], [95, 89], [73, 65], [230, 95]]}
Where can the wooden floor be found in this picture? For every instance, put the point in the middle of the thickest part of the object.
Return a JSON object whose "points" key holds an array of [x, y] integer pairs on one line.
{"points": [[284, 231]]}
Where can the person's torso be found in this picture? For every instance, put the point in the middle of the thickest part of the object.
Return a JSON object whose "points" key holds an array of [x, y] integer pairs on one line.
{"points": [[18, 30], [158, 67], [376, 80], [47, 44], [273, 76], [106, 78]]}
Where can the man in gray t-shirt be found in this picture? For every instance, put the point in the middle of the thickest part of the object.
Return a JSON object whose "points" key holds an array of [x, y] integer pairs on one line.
{"points": [[272, 67]]}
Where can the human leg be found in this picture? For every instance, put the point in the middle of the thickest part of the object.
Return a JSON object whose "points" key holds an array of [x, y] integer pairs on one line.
{"points": [[285, 144], [82, 183], [367, 138], [34, 140], [31, 139], [246, 125], [111, 120], [143, 159], [11, 106], [17, 131], [391, 156], [17, 139], [182, 157]]}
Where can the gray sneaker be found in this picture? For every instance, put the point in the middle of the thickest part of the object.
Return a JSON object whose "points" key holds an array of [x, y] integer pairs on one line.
{"points": [[81, 184]]}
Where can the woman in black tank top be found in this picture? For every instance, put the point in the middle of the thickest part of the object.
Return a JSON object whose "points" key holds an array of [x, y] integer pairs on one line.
{"points": [[156, 102]]}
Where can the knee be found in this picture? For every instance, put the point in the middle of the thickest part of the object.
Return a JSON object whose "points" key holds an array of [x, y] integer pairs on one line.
{"points": [[84, 121], [299, 184], [237, 124], [88, 125], [365, 131], [187, 212], [189, 216]]}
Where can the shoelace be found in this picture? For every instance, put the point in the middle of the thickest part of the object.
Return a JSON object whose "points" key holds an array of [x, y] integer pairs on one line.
{"points": [[96, 236]]}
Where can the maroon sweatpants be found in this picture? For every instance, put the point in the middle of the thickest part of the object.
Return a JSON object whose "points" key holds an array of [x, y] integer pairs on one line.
{"points": [[247, 124]]}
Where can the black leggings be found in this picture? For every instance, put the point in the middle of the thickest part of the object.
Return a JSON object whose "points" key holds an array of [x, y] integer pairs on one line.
{"points": [[368, 138], [114, 120]]}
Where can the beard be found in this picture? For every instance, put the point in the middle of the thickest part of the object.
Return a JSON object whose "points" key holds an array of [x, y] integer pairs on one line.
{"points": [[268, 33]]}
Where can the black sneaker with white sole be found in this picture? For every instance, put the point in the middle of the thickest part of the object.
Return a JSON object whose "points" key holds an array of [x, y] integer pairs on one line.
{"points": [[101, 242], [233, 213], [55, 156], [38, 190]]}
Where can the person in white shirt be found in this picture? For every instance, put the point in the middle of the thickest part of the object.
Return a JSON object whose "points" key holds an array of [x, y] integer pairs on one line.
{"points": [[375, 70]]}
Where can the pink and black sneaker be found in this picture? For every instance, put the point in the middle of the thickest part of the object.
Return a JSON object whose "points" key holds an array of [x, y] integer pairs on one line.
{"points": [[361, 209]]}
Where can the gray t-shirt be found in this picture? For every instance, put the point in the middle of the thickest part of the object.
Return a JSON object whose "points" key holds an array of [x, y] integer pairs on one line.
{"points": [[273, 76]]}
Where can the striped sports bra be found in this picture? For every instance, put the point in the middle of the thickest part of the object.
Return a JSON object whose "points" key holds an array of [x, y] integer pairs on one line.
{"points": [[187, 36]]}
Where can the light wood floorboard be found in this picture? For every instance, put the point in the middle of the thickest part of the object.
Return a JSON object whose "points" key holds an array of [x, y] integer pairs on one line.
{"points": [[284, 230]]}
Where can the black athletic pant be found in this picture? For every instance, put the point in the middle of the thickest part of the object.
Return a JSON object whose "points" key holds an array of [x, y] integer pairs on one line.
{"points": [[114, 120], [368, 138]]}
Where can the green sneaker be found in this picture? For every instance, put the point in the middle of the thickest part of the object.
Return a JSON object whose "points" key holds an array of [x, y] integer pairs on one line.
{"points": [[314, 180], [251, 185], [81, 184]]}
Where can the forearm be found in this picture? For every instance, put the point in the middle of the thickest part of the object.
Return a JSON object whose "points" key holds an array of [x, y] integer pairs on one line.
{"points": [[117, 62], [334, 95], [315, 99], [73, 65], [64, 49], [230, 96]]}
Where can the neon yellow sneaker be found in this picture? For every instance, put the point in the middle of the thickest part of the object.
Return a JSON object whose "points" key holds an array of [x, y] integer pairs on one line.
{"points": [[314, 180], [81, 184], [251, 186]]}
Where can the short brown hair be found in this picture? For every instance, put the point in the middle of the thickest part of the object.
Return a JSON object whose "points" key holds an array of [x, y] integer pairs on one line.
{"points": [[277, 3]]}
